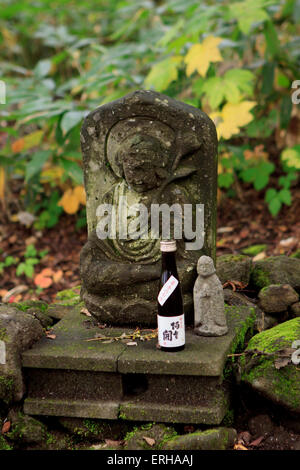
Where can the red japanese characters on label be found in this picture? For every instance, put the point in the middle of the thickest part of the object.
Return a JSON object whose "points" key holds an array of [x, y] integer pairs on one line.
{"points": [[167, 289]]}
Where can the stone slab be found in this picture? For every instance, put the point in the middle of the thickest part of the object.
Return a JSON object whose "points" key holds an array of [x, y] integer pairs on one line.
{"points": [[210, 413], [73, 409], [73, 384], [202, 356], [175, 389], [70, 376], [70, 348]]}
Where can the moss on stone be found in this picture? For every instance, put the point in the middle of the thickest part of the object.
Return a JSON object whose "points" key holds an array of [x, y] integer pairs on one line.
{"points": [[279, 336], [4, 445], [3, 334], [228, 419], [296, 254], [281, 385], [260, 277], [69, 296], [242, 331], [135, 439], [27, 304], [6, 388]]}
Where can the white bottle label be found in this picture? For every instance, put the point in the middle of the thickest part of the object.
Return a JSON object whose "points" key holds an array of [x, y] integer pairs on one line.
{"points": [[171, 331], [167, 289]]}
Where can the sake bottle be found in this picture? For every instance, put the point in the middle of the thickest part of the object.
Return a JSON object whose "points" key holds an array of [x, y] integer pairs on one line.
{"points": [[170, 317]]}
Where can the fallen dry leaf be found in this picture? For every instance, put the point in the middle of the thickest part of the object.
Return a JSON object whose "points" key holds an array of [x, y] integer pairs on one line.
{"points": [[131, 343], [257, 442], [149, 440], [239, 447], [260, 256], [3, 292], [5, 427], [281, 362], [109, 442], [57, 275], [50, 335], [42, 280], [85, 312]]}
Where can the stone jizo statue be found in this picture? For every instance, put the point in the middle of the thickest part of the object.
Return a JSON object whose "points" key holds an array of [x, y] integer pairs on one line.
{"points": [[144, 149], [209, 307]]}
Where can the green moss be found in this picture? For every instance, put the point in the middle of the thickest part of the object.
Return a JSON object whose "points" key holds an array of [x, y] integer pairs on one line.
{"points": [[228, 419], [283, 382], [260, 277], [27, 304], [93, 427], [242, 331], [69, 296], [3, 334], [231, 258], [6, 388], [254, 250], [129, 435], [4, 444], [278, 337], [296, 254]]}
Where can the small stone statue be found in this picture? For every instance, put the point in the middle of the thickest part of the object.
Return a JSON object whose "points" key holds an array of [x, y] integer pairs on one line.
{"points": [[210, 319]]}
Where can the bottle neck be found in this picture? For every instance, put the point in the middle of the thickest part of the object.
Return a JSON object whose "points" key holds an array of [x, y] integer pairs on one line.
{"points": [[168, 261]]}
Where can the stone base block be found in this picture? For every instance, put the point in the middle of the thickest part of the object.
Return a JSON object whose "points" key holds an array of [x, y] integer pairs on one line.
{"points": [[77, 375]]}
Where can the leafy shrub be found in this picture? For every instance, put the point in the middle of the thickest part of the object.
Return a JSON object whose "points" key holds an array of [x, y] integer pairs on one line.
{"points": [[60, 59]]}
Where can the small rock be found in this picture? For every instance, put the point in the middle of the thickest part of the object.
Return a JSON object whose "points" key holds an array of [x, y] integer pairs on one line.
{"points": [[236, 298], [234, 268], [211, 439], [18, 332], [265, 321], [279, 385], [277, 298], [44, 319], [94, 429], [260, 425], [292, 423], [27, 430], [135, 440], [276, 270], [295, 309]]}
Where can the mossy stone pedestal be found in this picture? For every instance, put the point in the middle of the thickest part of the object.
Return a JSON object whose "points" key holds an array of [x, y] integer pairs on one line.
{"points": [[70, 376]]}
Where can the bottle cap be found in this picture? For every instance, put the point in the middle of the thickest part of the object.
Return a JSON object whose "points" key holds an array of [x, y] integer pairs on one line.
{"points": [[168, 245]]}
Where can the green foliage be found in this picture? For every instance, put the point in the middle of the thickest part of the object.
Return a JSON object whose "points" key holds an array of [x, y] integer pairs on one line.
{"points": [[31, 258], [60, 61], [8, 261], [254, 250]]}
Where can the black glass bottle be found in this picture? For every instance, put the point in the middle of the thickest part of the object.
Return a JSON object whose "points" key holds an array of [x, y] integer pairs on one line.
{"points": [[170, 318]]}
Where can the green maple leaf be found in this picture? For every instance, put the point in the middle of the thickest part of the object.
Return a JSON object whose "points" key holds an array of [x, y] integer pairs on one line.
{"points": [[163, 73], [248, 12], [230, 87]]}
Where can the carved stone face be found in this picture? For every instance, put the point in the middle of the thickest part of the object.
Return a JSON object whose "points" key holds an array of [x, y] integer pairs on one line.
{"points": [[144, 162], [205, 266]]}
